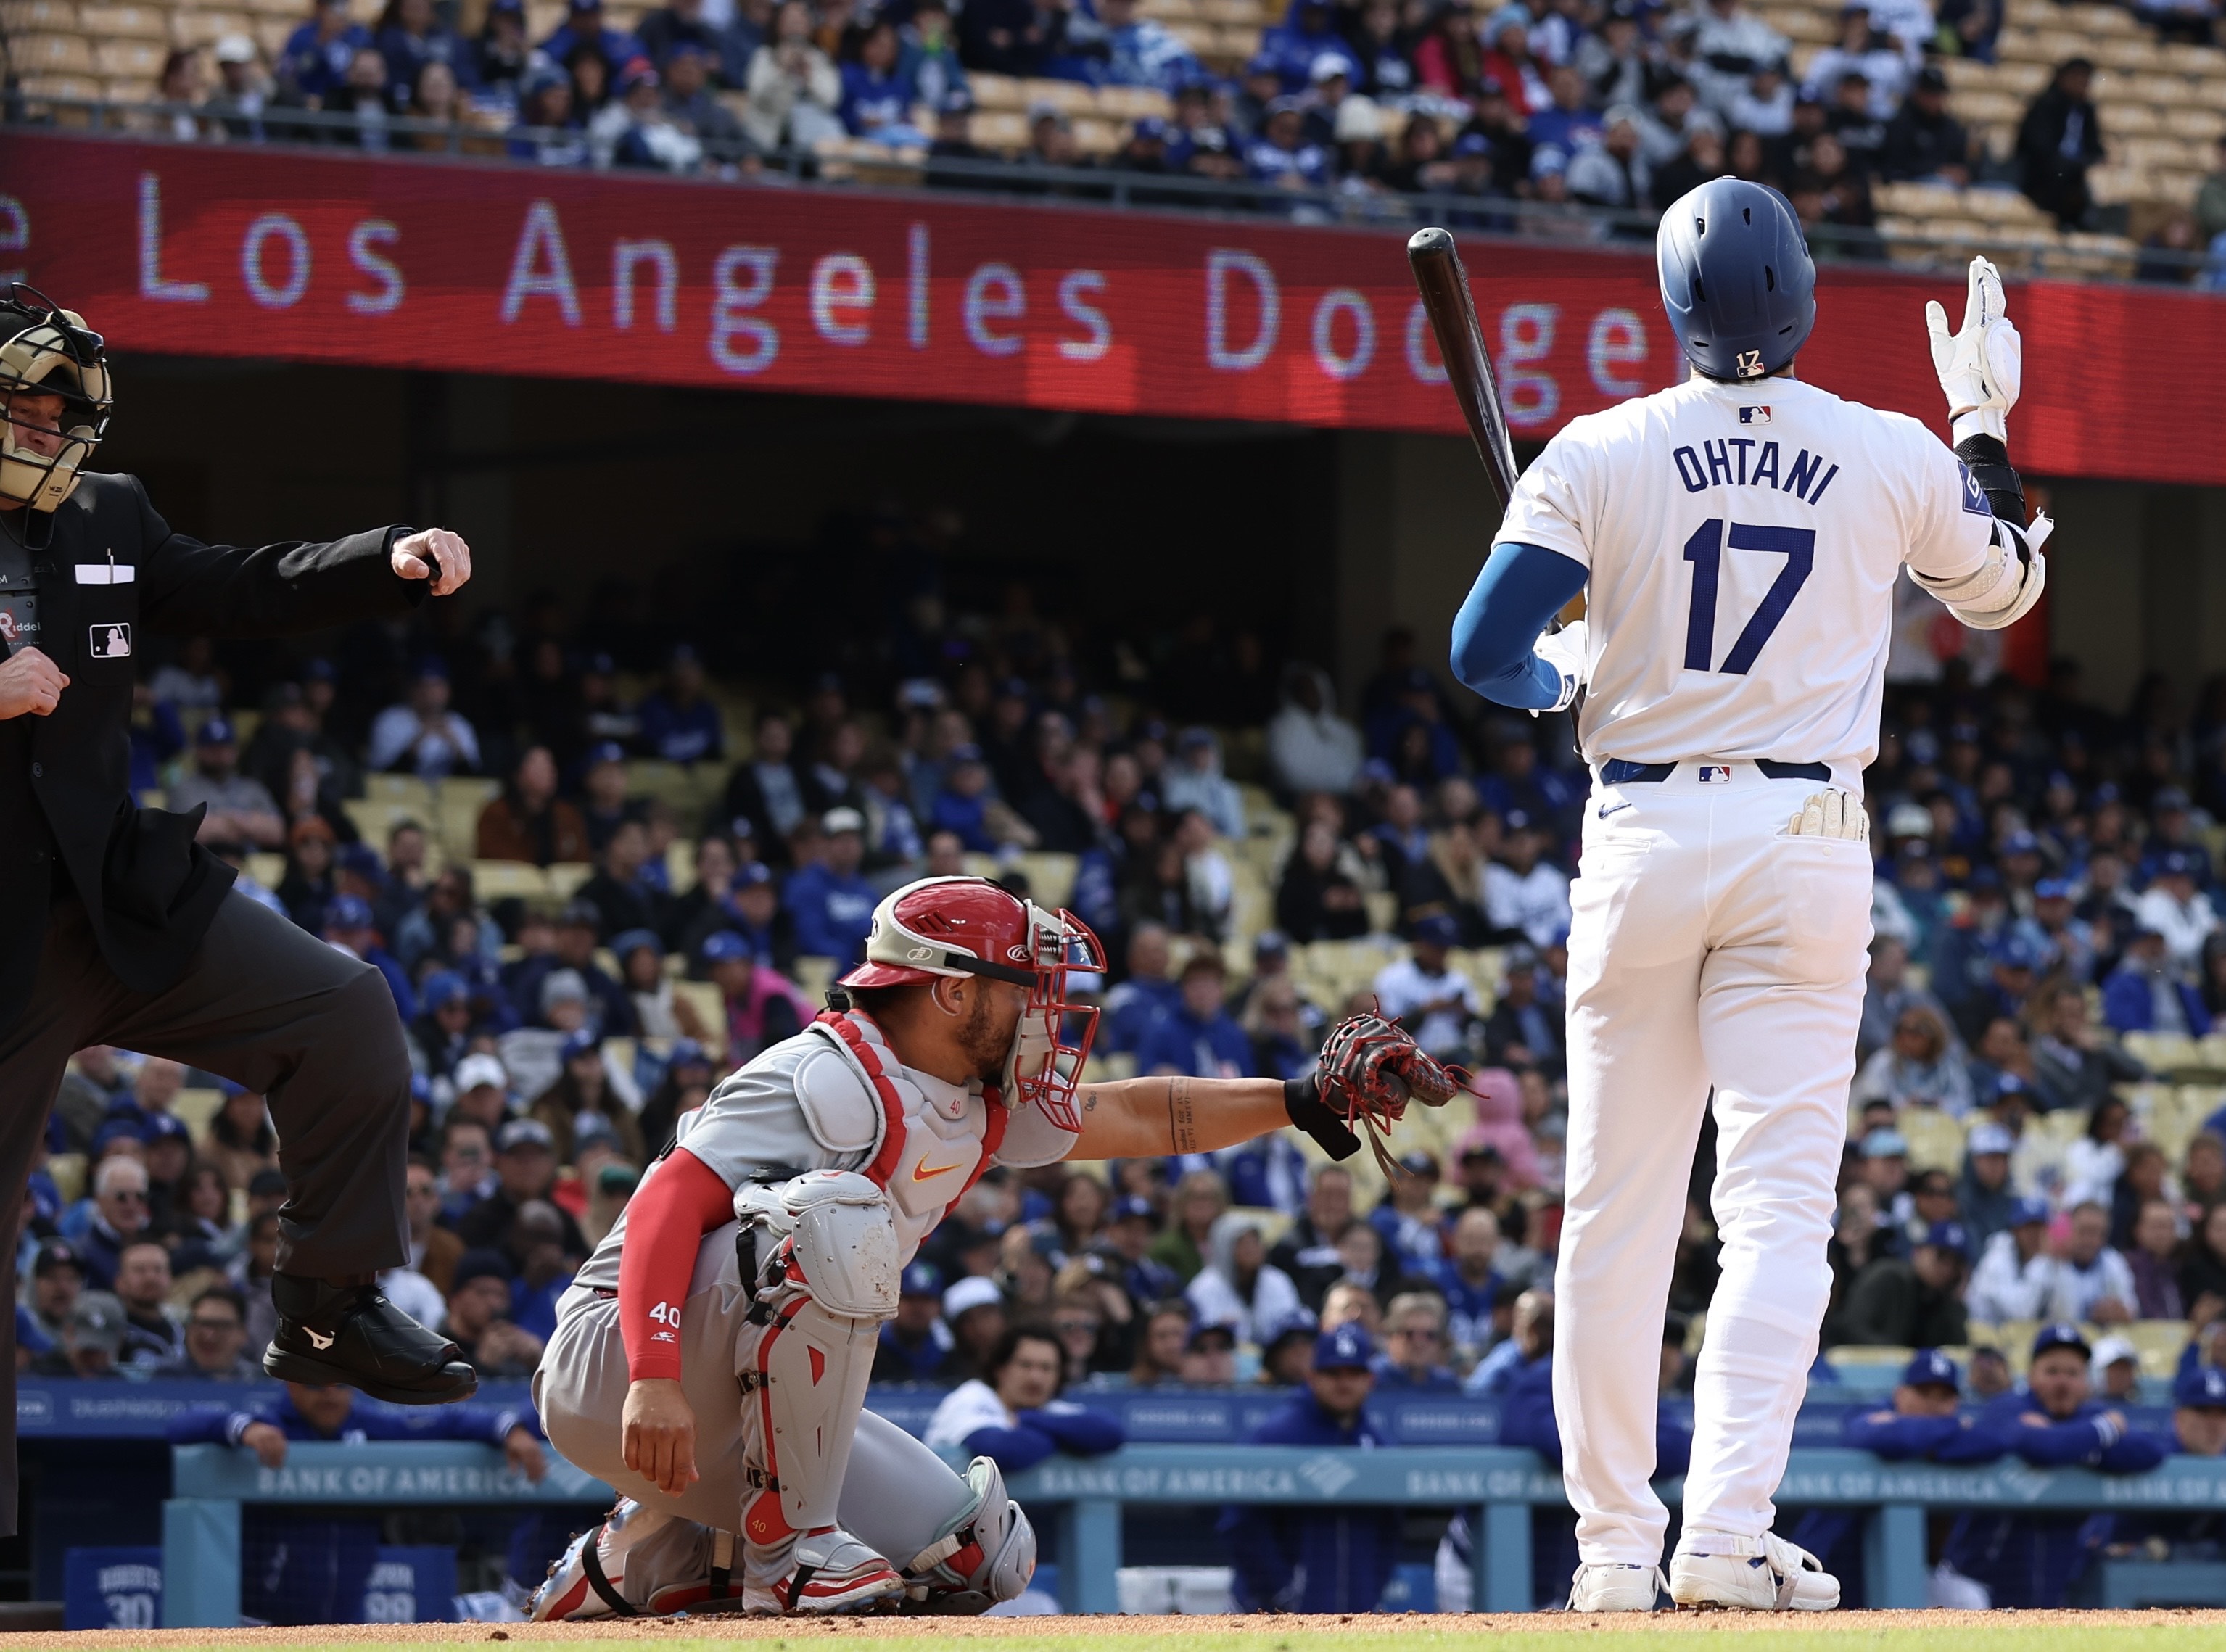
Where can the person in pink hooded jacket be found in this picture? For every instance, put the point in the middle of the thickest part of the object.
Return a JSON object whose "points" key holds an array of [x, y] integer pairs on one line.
{"points": [[1500, 1126]]}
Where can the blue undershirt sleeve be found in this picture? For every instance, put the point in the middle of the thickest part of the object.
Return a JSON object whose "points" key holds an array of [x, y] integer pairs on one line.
{"points": [[1516, 597]]}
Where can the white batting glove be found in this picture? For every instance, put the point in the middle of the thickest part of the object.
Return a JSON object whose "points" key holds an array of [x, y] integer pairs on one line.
{"points": [[1564, 650], [1983, 367], [1832, 813]]}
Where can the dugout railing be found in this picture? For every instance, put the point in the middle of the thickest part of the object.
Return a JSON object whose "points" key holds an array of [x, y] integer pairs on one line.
{"points": [[1078, 1504]]}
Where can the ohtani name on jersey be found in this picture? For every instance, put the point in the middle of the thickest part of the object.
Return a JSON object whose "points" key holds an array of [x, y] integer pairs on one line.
{"points": [[1741, 462]]}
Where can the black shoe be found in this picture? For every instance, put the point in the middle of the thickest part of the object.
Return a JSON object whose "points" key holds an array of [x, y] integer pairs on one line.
{"points": [[332, 1334]]}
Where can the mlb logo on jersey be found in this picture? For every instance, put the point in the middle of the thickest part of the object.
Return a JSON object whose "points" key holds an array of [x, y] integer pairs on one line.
{"points": [[1714, 773], [1754, 416]]}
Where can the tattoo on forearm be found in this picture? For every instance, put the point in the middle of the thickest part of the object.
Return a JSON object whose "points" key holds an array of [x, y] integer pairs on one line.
{"points": [[1090, 1101], [1182, 1127]]}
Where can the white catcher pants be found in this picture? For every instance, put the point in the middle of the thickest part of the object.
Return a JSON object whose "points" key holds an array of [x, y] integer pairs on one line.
{"points": [[1708, 949]]}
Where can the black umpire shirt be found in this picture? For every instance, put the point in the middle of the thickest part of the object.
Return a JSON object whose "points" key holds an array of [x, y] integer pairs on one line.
{"points": [[111, 572]]}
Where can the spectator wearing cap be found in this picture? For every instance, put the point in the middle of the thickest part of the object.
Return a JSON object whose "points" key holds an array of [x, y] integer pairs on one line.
{"points": [[1307, 33], [1333, 1559], [1124, 1248], [1524, 1030], [2177, 909], [528, 822], [1924, 142], [2051, 1421], [2147, 993], [607, 1009], [479, 1321], [584, 1089], [440, 1036], [525, 1170], [423, 735], [679, 23], [351, 927], [605, 803], [1916, 1302], [1986, 1200], [317, 54], [242, 815], [168, 1145], [2013, 963], [58, 1278], [1424, 994], [1279, 154], [1408, 1218], [763, 1006], [915, 1342], [974, 1309], [91, 1341], [584, 24], [2058, 140], [1526, 897], [2114, 1368], [2090, 1283], [2199, 1417], [1013, 1415], [689, 70], [831, 905], [1197, 1036], [1239, 1287]]}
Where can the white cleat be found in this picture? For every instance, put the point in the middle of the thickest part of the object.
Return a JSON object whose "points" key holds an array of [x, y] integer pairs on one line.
{"points": [[1616, 1588], [833, 1572], [596, 1555], [1754, 1574]]}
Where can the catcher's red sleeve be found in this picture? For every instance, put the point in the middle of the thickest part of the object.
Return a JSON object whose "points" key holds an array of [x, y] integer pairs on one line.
{"points": [[665, 1224]]}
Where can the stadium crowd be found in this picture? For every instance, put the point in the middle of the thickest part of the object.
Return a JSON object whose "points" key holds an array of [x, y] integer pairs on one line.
{"points": [[2046, 876], [1604, 103]]}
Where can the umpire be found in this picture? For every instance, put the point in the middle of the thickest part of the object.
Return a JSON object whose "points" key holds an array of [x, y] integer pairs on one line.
{"points": [[120, 929]]}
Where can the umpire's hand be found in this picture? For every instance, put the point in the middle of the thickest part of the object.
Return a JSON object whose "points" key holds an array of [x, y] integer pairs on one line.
{"points": [[413, 558], [661, 1435], [30, 684]]}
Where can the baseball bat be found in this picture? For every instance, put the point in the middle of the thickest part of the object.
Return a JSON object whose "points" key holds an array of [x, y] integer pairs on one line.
{"points": [[1452, 310]]}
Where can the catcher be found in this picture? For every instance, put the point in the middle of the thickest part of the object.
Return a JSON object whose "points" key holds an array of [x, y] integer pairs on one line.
{"points": [[711, 1359]]}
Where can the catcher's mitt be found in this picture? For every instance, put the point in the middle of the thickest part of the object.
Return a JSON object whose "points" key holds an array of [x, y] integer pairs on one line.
{"points": [[1370, 1068]]}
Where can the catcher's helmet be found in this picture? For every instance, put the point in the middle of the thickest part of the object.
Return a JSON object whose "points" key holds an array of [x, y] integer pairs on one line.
{"points": [[1737, 280], [47, 350], [955, 927]]}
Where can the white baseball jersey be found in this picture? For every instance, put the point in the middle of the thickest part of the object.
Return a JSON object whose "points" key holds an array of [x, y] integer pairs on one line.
{"points": [[1743, 542], [836, 1098]]}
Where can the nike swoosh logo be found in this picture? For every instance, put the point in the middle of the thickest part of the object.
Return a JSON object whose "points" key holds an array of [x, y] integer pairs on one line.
{"points": [[925, 1172], [1605, 811], [317, 1342]]}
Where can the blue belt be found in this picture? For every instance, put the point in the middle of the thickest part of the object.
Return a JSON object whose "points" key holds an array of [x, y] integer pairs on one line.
{"points": [[1615, 771]]}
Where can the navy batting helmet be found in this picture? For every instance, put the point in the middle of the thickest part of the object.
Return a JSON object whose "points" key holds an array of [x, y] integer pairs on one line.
{"points": [[1737, 279]]}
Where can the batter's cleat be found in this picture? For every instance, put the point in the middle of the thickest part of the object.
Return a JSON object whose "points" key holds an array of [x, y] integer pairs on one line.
{"points": [[1754, 1574], [588, 1579], [1605, 1588], [332, 1335], [832, 1573]]}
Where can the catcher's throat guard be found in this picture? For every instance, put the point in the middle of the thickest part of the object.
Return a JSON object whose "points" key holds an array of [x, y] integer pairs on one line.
{"points": [[955, 927]]}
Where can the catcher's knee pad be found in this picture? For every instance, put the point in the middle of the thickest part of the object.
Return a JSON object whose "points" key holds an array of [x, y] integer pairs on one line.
{"points": [[987, 1552], [841, 1237], [833, 1275]]}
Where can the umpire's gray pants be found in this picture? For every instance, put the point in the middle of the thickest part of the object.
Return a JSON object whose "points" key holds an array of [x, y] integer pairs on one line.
{"points": [[266, 1005], [897, 1498]]}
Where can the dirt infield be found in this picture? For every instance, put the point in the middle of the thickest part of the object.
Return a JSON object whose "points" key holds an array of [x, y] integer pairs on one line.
{"points": [[1969, 1630]]}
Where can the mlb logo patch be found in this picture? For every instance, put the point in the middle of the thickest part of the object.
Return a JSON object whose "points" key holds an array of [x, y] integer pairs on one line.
{"points": [[1714, 773], [1754, 416], [109, 642]]}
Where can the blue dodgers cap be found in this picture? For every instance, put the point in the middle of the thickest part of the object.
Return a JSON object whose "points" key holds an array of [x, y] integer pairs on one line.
{"points": [[686, 1052], [115, 1130], [1130, 1206], [751, 876], [2178, 864], [361, 860], [1885, 1143], [633, 940], [2020, 842], [2062, 1334], [1949, 1235], [1930, 1369], [607, 751], [1438, 930], [442, 989], [348, 912], [2203, 1386], [584, 1043], [215, 731], [727, 946], [2051, 889], [1344, 1347], [164, 1126], [1988, 1137], [2029, 1213], [2018, 950], [921, 1278]]}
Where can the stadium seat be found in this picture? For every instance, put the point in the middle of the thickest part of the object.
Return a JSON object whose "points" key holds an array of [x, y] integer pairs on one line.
{"points": [[195, 1108], [267, 868], [126, 22], [709, 1007], [68, 1169], [565, 876], [509, 879], [38, 16], [1936, 1140], [2159, 1342], [52, 55]]}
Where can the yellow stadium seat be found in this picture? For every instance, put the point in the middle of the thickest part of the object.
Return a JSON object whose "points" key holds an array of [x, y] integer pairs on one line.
{"points": [[52, 55], [2159, 1342], [40, 16], [1936, 1140], [1051, 877], [125, 22], [1869, 1355], [68, 1169], [401, 788], [195, 1108], [2161, 1051], [709, 1007], [565, 876], [267, 869], [503, 880]]}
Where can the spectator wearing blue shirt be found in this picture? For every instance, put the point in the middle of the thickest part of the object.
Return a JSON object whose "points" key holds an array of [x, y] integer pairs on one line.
{"points": [[2146, 994], [1137, 1002], [1331, 1559], [1280, 155], [1471, 1284], [1308, 30], [1409, 1220], [1125, 1247], [962, 803], [915, 1342], [583, 25], [410, 36], [877, 93], [1013, 1415], [2033, 1560], [1141, 51], [1415, 1347], [1198, 1037], [315, 63], [267, 1425], [678, 724], [833, 906], [1194, 780], [1566, 124], [349, 924]]}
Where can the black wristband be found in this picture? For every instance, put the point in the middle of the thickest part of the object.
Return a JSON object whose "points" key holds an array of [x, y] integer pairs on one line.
{"points": [[1988, 461], [1302, 1102]]}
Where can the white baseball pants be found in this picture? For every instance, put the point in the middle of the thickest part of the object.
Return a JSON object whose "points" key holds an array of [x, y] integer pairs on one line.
{"points": [[1708, 949]]}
